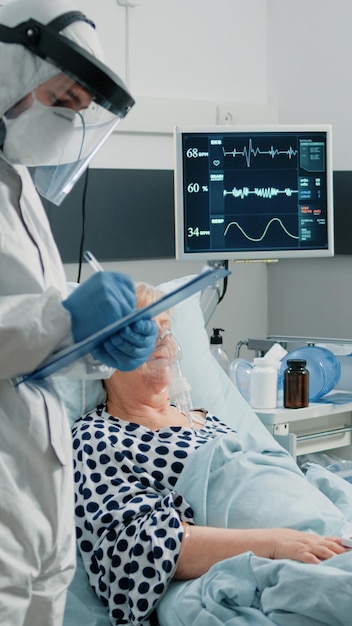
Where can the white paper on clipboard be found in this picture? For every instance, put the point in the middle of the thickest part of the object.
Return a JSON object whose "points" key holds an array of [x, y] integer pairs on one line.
{"points": [[64, 357]]}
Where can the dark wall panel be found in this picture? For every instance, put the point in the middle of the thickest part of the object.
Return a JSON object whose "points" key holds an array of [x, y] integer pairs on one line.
{"points": [[343, 212], [129, 215]]}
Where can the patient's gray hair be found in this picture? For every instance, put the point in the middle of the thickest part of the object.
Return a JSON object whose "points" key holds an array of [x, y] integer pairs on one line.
{"points": [[146, 294]]}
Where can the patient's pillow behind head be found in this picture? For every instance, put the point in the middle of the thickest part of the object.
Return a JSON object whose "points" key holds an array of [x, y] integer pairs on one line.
{"points": [[79, 395], [211, 387]]}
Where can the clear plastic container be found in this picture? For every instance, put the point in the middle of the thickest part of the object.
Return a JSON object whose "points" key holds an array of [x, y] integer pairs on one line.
{"points": [[323, 366], [331, 462], [239, 373]]}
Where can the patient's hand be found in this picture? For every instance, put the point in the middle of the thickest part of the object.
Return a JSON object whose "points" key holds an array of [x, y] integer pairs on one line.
{"points": [[284, 543], [205, 546]]}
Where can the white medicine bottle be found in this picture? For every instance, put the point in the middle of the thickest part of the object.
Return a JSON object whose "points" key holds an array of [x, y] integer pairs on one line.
{"points": [[218, 351], [263, 384]]}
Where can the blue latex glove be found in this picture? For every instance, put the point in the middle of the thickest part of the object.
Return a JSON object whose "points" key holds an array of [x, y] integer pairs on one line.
{"points": [[130, 347], [101, 300]]}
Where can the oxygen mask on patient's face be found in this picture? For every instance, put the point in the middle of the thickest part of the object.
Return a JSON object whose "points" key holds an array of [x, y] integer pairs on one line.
{"points": [[163, 371], [157, 370]]}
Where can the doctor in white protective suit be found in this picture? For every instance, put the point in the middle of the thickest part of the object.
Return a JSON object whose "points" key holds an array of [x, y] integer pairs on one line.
{"points": [[58, 103]]}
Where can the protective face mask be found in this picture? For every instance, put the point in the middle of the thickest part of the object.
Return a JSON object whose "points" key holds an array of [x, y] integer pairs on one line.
{"points": [[39, 135]]}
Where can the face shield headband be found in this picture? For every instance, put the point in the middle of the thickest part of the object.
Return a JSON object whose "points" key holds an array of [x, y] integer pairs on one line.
{"points": [[46, 42], [86, 130]]}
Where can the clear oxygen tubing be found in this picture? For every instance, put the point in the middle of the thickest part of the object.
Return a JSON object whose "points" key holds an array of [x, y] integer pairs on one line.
{"points": [[180, 389]]}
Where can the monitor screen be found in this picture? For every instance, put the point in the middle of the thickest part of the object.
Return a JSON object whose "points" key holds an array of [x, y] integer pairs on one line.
{"points": [[254, 192]]}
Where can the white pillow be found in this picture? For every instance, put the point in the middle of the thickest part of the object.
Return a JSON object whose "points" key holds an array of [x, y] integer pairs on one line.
{"points": [[211, 387], [79, 395]]}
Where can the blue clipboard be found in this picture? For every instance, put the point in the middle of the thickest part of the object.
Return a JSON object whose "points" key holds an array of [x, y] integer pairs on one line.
{"points": [[64, 357]]}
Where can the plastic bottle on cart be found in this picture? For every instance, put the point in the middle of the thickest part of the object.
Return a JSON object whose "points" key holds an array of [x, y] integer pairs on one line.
{"points": [[263, 384], [296, 384], [218, 351]]}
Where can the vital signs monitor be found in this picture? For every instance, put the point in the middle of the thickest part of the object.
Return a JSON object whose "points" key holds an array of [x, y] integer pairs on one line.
{"points": [[253, 192]]}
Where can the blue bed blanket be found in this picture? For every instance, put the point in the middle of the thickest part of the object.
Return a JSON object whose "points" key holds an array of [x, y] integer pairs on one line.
{"points": [[250, 481]]}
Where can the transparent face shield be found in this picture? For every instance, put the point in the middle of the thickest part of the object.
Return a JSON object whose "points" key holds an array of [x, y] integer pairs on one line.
{"points": [[90, 130], [57, 129]]}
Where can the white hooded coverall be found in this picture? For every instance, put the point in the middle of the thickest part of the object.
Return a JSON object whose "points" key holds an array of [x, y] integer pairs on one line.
{"points": [[37, 547]]}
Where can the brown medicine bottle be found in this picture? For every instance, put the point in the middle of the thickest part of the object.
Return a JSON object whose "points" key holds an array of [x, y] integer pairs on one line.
{"points": [[296, 384]]}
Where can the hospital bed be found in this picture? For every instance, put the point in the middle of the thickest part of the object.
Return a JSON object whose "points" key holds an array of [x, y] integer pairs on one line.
{"points": [[212, 389]]}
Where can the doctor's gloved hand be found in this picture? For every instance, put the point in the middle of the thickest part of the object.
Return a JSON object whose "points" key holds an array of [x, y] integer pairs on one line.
{"points": [[101, 300], [130, 347]]}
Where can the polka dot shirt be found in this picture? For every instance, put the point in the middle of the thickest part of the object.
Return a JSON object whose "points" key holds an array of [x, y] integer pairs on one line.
{"points": [[127, 509]]}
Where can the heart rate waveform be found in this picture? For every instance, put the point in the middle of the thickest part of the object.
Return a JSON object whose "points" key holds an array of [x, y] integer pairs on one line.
{"points": [[249, 151], [256, 239], [260, 192]]}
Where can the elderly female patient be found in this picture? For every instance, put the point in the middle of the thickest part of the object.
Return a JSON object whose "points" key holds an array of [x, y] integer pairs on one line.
{"points": [[135, 532]]}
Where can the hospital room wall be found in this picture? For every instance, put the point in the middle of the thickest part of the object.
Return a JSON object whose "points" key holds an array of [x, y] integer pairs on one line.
{"points": [[295, 55], [204, 51], [309, 77]]}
